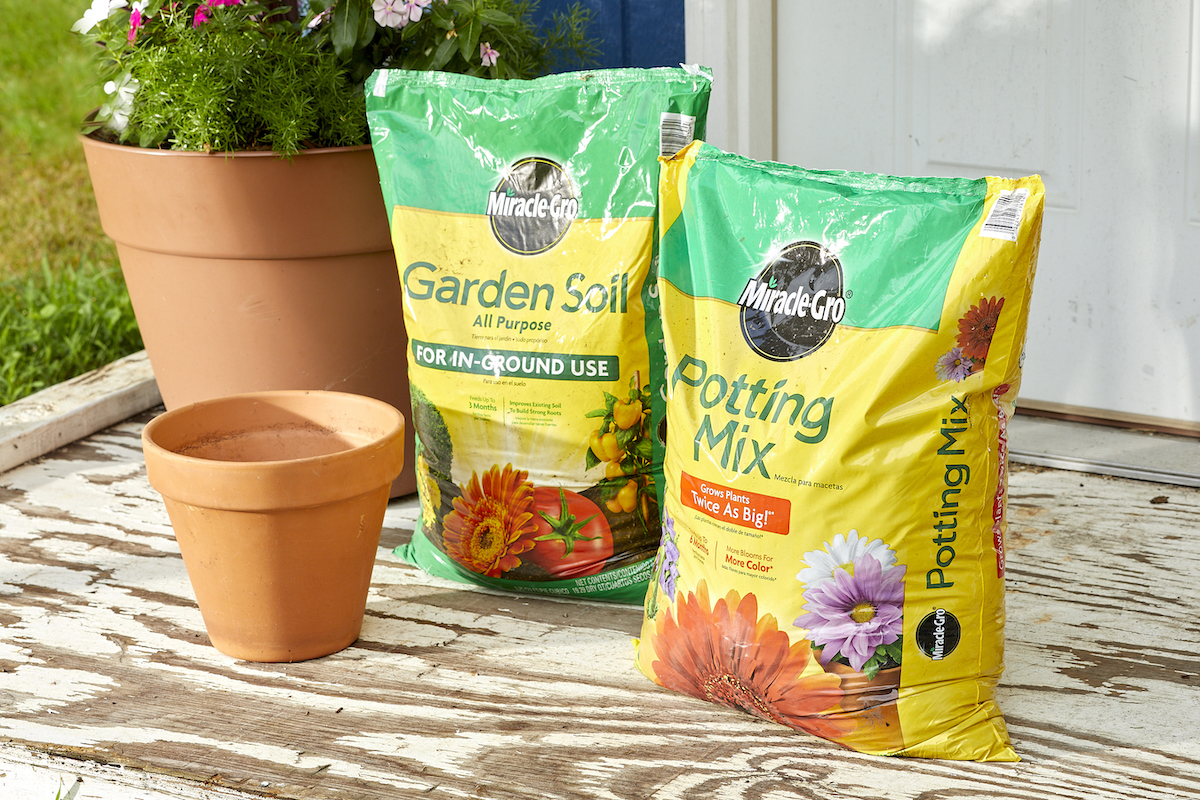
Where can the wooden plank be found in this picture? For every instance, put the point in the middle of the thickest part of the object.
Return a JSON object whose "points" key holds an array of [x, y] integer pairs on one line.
{"points": [[33, 775], [1102, 416], [454, 691], [60, 414], [1104, 450]]}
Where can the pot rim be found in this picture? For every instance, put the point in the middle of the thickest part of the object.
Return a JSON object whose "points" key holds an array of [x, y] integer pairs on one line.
{"points": [[317, 479], [167, 417], [154, 151]]}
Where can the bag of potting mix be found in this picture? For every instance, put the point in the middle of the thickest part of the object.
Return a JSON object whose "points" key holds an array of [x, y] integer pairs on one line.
{"points": [[523, 219], [843, 351]]}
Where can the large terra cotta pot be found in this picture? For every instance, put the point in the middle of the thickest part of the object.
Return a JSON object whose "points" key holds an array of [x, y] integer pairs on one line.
{"points": [[277, 501], [252, 272]]}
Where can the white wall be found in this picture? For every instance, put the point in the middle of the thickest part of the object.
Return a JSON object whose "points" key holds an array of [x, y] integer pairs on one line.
{"points": [[1102, 100], [735, 39]]}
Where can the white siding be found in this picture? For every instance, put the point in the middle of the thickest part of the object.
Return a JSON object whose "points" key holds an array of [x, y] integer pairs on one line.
{"points": [[1102, 100]]}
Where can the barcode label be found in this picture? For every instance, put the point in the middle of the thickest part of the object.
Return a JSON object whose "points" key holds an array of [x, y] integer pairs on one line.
{"points": [[1004, 220], [675, 132]]}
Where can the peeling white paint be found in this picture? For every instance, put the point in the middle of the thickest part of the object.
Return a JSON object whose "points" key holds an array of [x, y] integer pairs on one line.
{"points": [[39, 688], [459, 692]]}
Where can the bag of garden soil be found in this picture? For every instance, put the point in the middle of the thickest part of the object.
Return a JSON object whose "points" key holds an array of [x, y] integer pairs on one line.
{"points": [[843, 351], [523, 216]]}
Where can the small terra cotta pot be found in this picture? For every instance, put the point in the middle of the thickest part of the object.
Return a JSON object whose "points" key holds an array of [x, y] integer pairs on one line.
{"points": [[277, 502]]}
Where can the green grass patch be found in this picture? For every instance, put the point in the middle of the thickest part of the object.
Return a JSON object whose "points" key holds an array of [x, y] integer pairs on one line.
{"points": [[47, 80], [60, 322], [47, 212], [63, 306]]}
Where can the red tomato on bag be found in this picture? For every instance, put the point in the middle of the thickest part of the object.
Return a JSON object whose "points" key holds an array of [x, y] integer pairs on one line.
{"points": [[573, 538]]}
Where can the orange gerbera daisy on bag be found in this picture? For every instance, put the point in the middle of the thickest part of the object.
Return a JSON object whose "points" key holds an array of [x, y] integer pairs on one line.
{"points": [[976, 327], [731, 656], [492, 522]]}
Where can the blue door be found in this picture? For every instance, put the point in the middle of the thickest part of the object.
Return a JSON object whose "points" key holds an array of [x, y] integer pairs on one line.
{"points": [[634, 33]]}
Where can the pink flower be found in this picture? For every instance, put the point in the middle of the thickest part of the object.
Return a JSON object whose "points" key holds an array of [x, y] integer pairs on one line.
{"points": [[136, 18], [487, 55], [321, 18], [202, 13]]}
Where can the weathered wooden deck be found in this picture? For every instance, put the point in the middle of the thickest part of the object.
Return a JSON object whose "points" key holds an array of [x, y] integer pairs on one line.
{"points": [[106, 674]]}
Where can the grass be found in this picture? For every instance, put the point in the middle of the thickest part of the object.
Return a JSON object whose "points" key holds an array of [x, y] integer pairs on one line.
{"points": [[46, 206], [63, 306], [56, 324]]}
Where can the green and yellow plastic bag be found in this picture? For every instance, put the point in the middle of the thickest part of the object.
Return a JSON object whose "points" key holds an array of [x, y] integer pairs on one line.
{"points": [[523, 219], [843, 351]]}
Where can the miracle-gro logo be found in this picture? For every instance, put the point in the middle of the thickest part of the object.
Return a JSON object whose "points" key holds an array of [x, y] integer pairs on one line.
{"points": [[533, 206], [507, 205], [791, 308]]}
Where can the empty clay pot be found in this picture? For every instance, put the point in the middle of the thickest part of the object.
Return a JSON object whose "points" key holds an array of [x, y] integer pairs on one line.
{"points": [[277, 501]]}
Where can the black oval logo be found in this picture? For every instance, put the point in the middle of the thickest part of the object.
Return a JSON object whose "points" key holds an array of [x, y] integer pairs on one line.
{"points": [[791, 308], [532, 206], [938, 634]]}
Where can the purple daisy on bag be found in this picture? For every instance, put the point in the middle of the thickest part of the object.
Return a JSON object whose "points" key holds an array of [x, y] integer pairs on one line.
{"points": [[853, 614], [954, 366], [669, 570]]}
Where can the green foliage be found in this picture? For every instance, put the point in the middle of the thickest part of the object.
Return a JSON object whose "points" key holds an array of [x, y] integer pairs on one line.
{"points": [[449, 33], [244, 74], [567, 45], [48, 221], [56, 324], [244, 79]]}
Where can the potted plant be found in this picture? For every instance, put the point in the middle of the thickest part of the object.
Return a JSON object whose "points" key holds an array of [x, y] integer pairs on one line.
{"points": [[230, 165], [854, 618]]}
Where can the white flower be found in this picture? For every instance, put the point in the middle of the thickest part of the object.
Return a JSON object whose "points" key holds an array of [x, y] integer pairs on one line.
{"points": [[117, 110], [398, 13], [115, 119], [321, 18], [100, 11], [124, 88], [390, 13], [844, 551], [415, 8]]}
